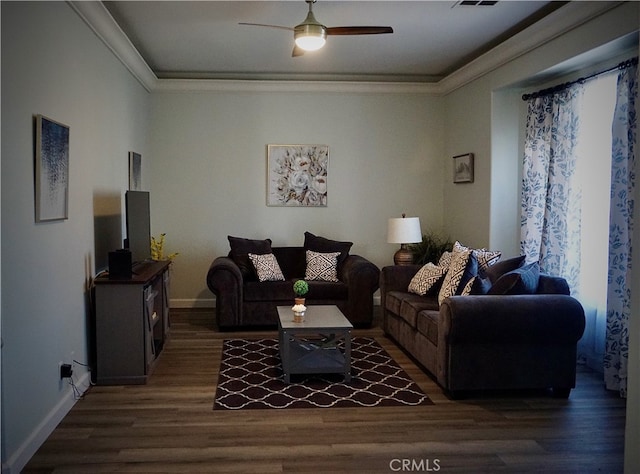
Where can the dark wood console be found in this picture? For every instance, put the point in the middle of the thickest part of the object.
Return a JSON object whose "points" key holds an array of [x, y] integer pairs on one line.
{"points": [[132, 323]]}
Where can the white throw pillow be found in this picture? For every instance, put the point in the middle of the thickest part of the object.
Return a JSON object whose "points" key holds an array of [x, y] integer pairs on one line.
{"points": [[322, 266], [463, 267], [267, 267], [426, 278], [485, 257]]}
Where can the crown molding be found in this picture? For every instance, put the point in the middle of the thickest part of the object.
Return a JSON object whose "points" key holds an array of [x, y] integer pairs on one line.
{"points": [[98, 18], [354, 87], [566, 18], [559, 22]]}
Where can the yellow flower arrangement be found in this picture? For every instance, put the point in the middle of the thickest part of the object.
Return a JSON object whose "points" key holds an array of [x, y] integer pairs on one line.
{"points": [[157, 249]]}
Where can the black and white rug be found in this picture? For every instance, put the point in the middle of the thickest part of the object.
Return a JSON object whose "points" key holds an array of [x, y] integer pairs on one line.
{"points": [[251, 377]]}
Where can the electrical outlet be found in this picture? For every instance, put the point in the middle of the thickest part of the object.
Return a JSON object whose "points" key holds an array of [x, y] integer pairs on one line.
{"points": [[66, 371]]}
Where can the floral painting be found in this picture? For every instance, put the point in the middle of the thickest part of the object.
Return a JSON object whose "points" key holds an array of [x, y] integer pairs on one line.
{"points": [[297, 175]]}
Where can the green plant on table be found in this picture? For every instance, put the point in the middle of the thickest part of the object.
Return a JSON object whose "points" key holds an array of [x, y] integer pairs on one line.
{"points": [[300, 288]]}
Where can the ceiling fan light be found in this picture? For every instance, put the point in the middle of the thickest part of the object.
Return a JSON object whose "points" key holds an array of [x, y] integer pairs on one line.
{"points": [[310, 37], [310, 43]]}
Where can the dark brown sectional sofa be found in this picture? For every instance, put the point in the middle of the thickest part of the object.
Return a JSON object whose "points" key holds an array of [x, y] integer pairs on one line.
{"points": [[487, 342]]}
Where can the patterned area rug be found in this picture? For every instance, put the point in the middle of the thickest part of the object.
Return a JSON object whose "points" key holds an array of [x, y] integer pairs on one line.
{"points": [[251, 377]]}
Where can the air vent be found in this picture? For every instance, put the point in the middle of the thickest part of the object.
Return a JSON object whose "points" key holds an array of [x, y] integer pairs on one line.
{"points": [[476, 3]]}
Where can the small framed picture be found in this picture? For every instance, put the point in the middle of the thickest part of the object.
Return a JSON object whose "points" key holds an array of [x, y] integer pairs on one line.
{"points": [[52, 170], [135, 171], [463, 168]]}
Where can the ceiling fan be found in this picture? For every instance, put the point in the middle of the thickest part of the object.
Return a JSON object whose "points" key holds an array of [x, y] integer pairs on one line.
{"points": [[311, 35]]}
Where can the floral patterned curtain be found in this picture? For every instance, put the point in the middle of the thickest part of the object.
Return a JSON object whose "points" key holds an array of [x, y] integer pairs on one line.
{"points": [[621, 230], [550, 208]]}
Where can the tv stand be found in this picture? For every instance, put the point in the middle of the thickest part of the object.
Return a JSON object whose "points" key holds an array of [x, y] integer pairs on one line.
{"points": [[132, 323]]}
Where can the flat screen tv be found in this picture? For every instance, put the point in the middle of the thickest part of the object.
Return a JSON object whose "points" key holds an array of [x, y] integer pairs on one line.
{"points": [[138, 225]]}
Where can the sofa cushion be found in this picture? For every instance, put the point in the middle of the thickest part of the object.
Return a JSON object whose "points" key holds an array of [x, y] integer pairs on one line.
{"points": [[407, 305], [504, 266], [393, 301], [322, 266], [269, 291], [240, 250], [327, 290], [463, 268], [266, 267], [427, 324], [281, 292], [427, 279], [521, 281], [322, 244], [412, 304]]}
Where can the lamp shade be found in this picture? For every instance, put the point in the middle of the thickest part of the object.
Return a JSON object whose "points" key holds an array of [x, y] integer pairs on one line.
{"points": [[404, 230]]}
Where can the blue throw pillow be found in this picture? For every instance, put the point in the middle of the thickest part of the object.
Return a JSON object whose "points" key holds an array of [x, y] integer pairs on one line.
{"points": [[521, 281]]}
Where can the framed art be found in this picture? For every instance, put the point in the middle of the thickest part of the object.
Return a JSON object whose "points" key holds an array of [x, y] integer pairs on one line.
{"points": [[135, 171], [297, 175], [463, 168], [51, 170]]}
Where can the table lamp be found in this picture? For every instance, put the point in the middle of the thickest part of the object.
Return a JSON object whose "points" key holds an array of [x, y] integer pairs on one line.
{"points": [[404, 230]]}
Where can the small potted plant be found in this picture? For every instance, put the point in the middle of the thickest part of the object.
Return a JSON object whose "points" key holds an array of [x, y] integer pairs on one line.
{"points": [[300, 288], [157, 249]]}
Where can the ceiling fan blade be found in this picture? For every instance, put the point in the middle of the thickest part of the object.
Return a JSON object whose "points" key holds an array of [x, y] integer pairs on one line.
{"points": [[268, 26], [359, 30], [297, 51]]}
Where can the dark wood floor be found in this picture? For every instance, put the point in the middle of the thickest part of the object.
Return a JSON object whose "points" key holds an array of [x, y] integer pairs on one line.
{"points": [[168, 425]]}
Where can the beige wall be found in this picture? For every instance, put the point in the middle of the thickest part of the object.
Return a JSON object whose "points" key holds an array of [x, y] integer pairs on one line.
{"points": [[208, 178], [204, 163], [53, 64], [485, 117], [489, 126]]}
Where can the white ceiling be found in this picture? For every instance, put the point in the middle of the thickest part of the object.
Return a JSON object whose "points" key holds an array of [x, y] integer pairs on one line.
{"points": [[431, 39]]}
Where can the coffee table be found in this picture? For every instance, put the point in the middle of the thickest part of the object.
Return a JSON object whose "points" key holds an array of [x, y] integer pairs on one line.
{"points": [[313, 346]]}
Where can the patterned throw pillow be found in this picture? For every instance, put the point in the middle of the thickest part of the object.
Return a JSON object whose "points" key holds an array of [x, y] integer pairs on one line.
{"points": [[322, 266], [267, 267], [445, 259], [463, 268], [485, 257], [468, 288], [322, 244], [426, 279]]}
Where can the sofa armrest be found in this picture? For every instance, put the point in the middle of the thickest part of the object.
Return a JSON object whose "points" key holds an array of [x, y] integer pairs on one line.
{"points": [[511, 319], [505, 342], [224, 279], [362, 279], [395, 278]]}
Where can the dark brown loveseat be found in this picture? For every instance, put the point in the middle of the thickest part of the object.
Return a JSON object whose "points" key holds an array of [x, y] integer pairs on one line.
{"points": [[487, 342], [242, 301]]}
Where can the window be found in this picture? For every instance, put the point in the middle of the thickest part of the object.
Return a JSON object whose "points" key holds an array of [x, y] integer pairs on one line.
{"points": [[593, 174]]}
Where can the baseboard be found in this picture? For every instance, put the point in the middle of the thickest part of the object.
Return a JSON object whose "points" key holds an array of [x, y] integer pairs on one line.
{"points": [[185, 303], [182, 303], [18, 460]]}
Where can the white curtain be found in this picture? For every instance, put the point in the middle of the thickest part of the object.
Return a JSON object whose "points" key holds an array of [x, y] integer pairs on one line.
{"points": [[550, 208], [621, 230]]}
